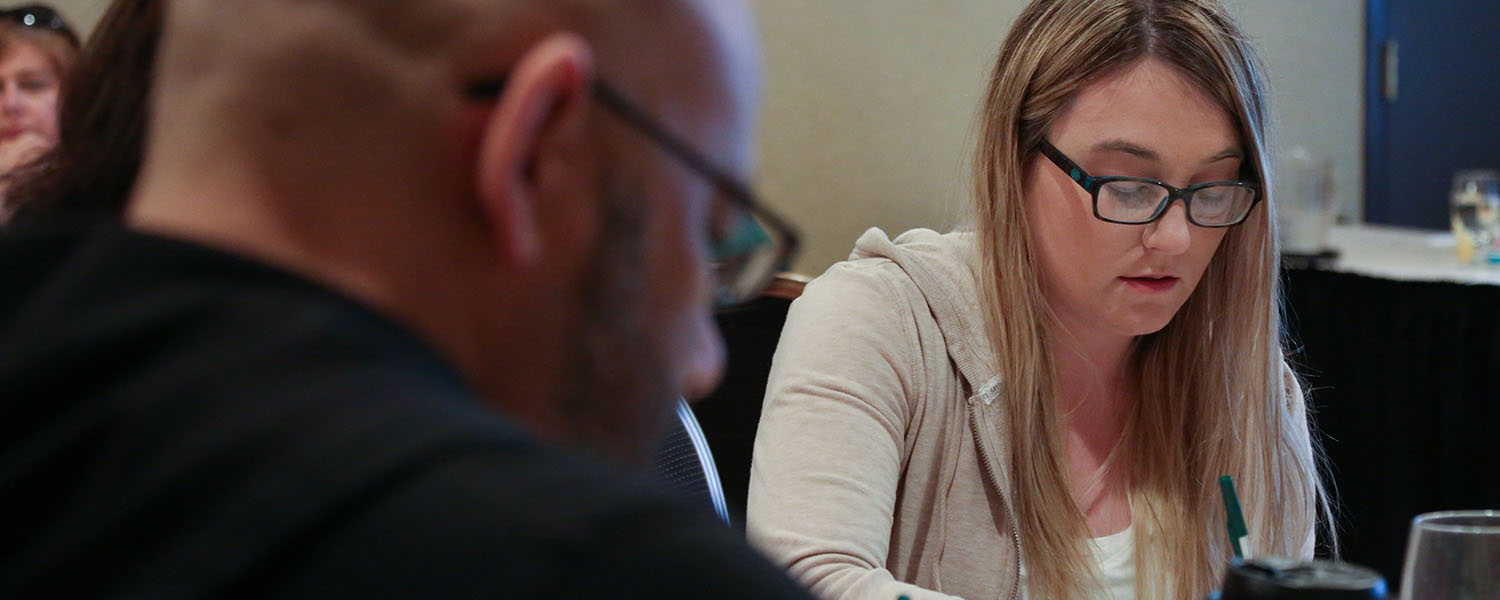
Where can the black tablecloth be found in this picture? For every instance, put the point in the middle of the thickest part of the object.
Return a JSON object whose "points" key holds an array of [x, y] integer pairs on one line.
{"points": [[1405, 378]]}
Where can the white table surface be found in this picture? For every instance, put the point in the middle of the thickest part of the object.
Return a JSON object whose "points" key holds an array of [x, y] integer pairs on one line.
{"points": [[1406, 254]]}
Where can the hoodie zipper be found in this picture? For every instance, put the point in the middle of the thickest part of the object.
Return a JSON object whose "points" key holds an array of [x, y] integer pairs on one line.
{"points": [[989, 472]]}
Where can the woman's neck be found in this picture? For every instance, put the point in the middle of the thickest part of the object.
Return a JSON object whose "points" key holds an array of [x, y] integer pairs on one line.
{"points": [[1097, 390], [1095, 375]]}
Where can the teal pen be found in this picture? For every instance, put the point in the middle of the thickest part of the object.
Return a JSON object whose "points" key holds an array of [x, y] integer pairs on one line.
{"points": [[1239, 535]]}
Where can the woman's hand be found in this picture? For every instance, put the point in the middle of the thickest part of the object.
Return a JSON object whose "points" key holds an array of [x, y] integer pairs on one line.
{"points": [[21, 149]]}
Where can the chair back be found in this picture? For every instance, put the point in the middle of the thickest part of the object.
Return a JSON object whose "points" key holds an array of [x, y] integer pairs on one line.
{"points": [[731, 415], [686, 465]]}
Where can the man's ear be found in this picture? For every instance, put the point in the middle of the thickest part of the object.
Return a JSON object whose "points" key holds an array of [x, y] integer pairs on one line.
{"points": [[543, 108]]}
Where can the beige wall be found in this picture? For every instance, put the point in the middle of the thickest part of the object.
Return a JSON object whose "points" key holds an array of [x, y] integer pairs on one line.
{"points": [[1314, 53], [869, 104], [81, 14]]}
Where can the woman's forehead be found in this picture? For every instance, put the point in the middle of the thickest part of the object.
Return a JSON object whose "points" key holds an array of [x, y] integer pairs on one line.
{"points": [[1150, 105], [19, 53]]}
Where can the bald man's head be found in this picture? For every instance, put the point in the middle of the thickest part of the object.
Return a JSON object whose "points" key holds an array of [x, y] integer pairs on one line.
{"points": [[543, 242], [297, 83]]}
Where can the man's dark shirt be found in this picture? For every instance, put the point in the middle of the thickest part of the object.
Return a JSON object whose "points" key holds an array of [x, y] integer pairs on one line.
{"points": [[179, 422]]}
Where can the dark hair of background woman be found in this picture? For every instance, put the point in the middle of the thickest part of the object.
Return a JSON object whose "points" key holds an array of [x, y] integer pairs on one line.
{"points": [[102, 124]]}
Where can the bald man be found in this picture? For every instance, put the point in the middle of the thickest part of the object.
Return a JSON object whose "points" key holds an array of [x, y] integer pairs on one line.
{"points": [[382, 261]]}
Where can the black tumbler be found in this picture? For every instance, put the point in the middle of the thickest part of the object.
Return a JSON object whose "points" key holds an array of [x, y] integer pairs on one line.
{"points": [[1274, 578]]}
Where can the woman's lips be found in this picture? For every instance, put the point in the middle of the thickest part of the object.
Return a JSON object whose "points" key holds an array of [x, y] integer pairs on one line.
{"points": [[1152, 285]]}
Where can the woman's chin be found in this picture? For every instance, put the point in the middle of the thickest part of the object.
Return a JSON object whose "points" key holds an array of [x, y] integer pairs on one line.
{"points": [[1145, 324]]}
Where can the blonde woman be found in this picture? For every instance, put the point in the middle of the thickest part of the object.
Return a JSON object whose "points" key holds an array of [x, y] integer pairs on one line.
{"points": [[1041, 407]]}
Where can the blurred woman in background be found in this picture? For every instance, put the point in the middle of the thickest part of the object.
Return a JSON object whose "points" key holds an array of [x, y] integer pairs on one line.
{"points": [[37, 48], [89, 174]]}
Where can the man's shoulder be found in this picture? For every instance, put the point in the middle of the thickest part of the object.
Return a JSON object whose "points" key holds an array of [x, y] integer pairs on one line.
{"points": [[245, 431], [539, 523], [484, 515], [106, 312]]}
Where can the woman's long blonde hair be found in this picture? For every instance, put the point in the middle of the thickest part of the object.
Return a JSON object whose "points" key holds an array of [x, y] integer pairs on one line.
{"points": [[1214, 397]]}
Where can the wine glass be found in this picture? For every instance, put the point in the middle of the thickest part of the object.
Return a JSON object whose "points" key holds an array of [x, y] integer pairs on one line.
{"points": [[1453, 555], [1474, 207]]}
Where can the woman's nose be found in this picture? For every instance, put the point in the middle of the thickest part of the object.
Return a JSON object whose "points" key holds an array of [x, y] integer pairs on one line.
{"points": [[10, 101], [1171, 233]]}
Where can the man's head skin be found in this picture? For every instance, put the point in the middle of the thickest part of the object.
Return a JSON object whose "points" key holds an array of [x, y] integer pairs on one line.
{"points": [[546, 248]]}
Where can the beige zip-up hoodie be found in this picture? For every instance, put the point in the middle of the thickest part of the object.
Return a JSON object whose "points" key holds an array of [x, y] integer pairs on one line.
{"points": [[879, 466]]}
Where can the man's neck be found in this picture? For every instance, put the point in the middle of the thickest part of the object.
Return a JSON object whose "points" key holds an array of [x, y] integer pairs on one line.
{"points": [[358, 254]]}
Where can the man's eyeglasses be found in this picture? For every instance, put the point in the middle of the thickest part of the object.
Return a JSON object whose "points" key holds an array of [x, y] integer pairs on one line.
{"points": [[1138, 200], [41, 17], [751, 243]]}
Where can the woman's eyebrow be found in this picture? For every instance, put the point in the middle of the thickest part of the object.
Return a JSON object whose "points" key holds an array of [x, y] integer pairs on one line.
{"points": [[1134, 149], [1229, 153], [1118, 145]]}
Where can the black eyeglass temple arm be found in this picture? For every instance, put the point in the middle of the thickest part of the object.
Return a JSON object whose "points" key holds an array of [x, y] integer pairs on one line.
{"points": [[733, 190], [1075, 172], [489, 89]]}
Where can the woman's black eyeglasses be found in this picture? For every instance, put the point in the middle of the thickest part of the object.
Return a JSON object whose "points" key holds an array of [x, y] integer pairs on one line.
{"points": [[750, 245], [40, 17], [1138, 200]]}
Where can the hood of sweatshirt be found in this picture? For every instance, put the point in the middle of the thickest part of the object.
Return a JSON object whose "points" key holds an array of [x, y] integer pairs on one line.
{"points": [[945, 267]]}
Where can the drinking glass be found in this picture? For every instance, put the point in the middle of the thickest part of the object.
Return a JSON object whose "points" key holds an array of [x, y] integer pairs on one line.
{"points": [[1453, 555], [1307, 205], [1474, 207]]}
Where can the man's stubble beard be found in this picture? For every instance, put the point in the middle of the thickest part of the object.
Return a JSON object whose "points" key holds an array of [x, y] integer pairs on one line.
{"points": [[619, 395]]}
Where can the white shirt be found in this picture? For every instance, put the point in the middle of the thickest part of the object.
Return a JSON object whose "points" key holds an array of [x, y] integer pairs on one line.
{"points": [[1114, 563]]}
